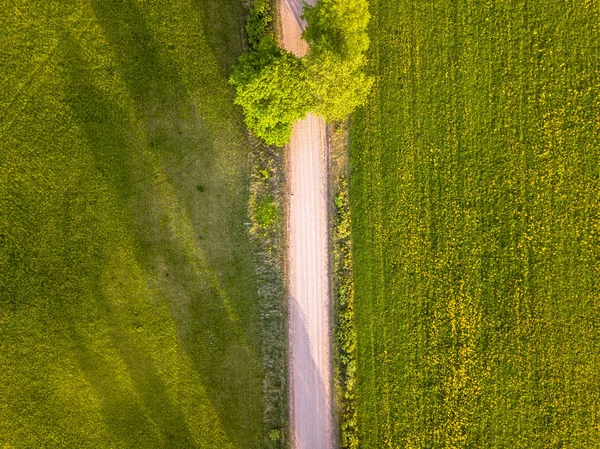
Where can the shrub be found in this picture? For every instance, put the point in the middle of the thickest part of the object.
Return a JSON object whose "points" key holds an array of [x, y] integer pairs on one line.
{"points": [[258, 26], [267, 213], [275, 435]]}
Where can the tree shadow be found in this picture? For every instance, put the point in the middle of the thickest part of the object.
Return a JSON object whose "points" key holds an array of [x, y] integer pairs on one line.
{"points": [[216, 342], [123, 415], [225, 32], [309, 399], [148, 72], [104, 123], [295, 7]]}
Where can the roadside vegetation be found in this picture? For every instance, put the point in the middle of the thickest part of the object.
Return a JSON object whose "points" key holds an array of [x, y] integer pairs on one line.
{"points": [[275, 88], [129, 313], [267, 232], [344, 327], [476, 226]]}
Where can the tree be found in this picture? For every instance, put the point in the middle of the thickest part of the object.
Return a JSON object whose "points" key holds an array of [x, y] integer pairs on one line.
{"points": [[275, 88], [337, 38], [274, 97], [338, 27], [339, 86]]}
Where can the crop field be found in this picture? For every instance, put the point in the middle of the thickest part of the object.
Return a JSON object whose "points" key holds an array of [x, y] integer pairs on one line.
{"points": [[475, 196], [128, 306]]}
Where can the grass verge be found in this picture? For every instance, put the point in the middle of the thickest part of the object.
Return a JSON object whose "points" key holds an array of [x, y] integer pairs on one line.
{"points": [[344, 342], [267, 231]]}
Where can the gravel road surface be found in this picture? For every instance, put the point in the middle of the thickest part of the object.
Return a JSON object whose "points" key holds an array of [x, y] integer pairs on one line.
{"points": [[308, 260]]}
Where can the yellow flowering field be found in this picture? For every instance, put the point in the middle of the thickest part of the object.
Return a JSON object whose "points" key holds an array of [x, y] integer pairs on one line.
{"points": [[475, 195]]}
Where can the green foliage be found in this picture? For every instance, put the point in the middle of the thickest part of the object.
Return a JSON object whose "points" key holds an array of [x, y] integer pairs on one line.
{"points": [[274, 96], [275, 435], [339, 86], [275, 88], [263, 44], [267, 212], [338, 27], [338, 39], [270, 83], [476, 226], [345, 328], [258, 26]]}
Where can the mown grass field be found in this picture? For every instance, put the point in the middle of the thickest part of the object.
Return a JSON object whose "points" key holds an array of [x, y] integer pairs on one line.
{"points": [[128, 312], [476, 206]]}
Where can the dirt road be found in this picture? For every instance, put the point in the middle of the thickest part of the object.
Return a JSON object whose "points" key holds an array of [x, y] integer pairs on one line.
{"points": [[308, 280]]}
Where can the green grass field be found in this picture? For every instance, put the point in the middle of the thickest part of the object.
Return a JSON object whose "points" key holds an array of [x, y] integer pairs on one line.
{"points": [[476, 207], [128, 312]]}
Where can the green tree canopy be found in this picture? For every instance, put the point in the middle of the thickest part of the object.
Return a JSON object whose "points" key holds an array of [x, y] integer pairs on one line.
{"points": [[338, 26], [275, 88], [274, 97], [339, 86]]}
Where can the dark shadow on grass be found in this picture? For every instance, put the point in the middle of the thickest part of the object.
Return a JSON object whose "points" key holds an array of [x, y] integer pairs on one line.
{"points": [[224, 32], [216, 343], [123, 415]]}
